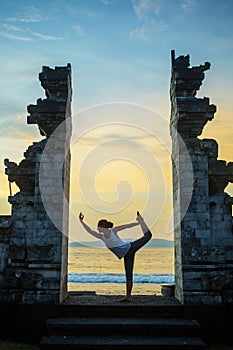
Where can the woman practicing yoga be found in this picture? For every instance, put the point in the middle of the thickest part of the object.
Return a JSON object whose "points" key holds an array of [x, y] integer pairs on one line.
{"points": [[121, 249]]}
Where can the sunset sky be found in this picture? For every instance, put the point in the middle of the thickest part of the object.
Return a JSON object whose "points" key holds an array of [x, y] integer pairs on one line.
{"points": [[120, 56]]}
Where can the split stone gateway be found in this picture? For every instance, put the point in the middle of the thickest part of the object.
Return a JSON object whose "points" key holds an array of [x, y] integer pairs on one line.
{"points": [[34, 238]]}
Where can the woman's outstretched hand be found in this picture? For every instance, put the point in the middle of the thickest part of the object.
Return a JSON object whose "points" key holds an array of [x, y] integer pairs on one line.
{"points": [[81, 216]]}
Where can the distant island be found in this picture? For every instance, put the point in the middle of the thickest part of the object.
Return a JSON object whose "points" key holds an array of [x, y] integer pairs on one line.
{"points": [[153, 243]]}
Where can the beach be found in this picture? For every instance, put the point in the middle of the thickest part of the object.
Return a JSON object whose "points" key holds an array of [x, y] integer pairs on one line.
{"points": [[97, 270]]}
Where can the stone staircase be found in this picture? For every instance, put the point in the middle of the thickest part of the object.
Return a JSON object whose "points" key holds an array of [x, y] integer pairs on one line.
{"points": [[108, 328]]}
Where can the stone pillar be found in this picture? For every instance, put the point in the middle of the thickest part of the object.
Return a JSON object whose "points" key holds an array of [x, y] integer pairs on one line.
{"points": [[36, 270], [203, 227]]}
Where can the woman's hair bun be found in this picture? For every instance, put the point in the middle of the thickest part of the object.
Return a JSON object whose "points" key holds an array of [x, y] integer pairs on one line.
{"points": [[104, 223], [110, 224]]}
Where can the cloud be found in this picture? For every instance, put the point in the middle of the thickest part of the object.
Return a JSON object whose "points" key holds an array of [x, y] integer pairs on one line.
{"points": [[79, 30], [147, 13], [31, 15], [138, 33], [113, 140], [47, 37], [41, 36], [145, 8], [16, 37], [31, 19], [128, 138], [146, 30], [12, 27], [188, 5], [15, 128]]}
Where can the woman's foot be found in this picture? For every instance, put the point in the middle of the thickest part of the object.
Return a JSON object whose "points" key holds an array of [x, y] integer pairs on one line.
{"points": [[125, 299], [139, 218]]}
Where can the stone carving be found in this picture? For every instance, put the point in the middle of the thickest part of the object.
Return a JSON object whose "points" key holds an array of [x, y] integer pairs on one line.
{"points": [[24, 173], [203, 229]]}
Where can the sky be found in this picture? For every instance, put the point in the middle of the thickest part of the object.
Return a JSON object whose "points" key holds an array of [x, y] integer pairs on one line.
{"points": [[120, 56]]}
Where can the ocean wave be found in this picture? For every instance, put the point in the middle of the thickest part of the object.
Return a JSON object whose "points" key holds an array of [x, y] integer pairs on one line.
{"points": [[119, 278]]}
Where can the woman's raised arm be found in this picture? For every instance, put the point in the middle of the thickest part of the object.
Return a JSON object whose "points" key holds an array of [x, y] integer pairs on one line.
{"points": [[88, 229]]}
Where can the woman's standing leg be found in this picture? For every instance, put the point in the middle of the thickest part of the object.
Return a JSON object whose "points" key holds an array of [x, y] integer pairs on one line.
{"points": [[128, 263], [129, 257]]}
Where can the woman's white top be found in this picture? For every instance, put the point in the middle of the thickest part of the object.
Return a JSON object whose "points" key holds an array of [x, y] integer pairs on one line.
{"points": [[116, 245]]}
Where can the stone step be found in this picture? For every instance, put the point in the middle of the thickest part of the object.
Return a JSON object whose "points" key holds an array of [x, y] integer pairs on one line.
{"points": [[120, 342], [122, 310], [140, 326]]}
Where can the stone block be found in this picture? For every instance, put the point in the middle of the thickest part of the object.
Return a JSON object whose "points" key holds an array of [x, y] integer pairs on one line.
{"points": [[205, 242], [19, 224], [229, 253], [190, 274], [43, 253], [50, 233], [217, 218], [39, 157], [191, 299], [215, 209], [200, 208], [217, 254], [51, 284], [40, 232], [192, 226], [34, 297], [46, 268], [11, 281], [227, 211], [211, 299], [22, 233], [30, 280], [3, 256], [17, 249], [202, 234], [219, 240], [44, 240], [192, 285]]}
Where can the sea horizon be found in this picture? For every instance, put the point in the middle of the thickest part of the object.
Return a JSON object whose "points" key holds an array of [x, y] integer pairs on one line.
{"points": [[153, 243]]}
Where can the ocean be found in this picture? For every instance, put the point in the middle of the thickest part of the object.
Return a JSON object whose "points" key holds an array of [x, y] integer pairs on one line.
{"points": [[99, 270]]}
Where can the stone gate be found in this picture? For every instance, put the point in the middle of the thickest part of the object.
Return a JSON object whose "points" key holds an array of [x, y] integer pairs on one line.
{"points": [[34, 239]]}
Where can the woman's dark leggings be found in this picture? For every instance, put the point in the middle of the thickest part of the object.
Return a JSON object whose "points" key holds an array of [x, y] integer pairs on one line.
{"points": [[129, 257]]}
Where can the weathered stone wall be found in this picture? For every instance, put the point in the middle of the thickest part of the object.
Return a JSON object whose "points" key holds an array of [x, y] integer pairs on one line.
{"points": [[36, 266], [203, 228], [5, 228]]}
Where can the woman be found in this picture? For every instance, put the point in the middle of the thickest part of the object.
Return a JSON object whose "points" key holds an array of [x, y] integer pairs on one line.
{"points": [[121, 249]]}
